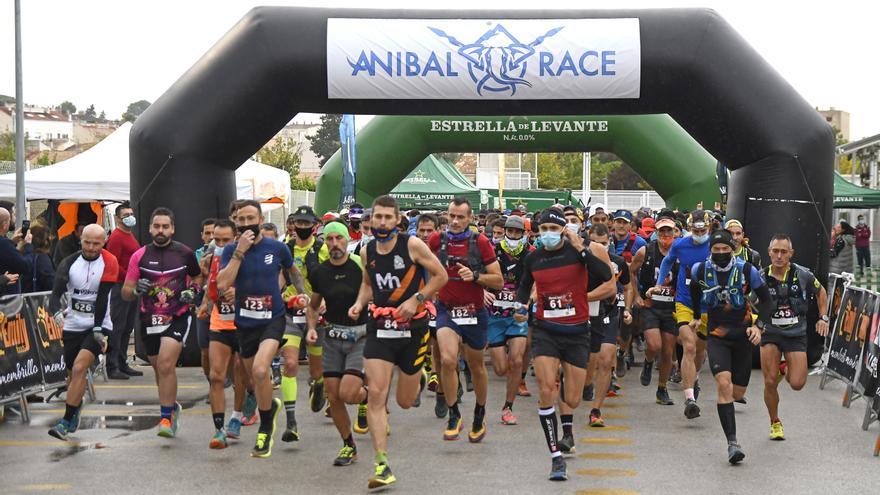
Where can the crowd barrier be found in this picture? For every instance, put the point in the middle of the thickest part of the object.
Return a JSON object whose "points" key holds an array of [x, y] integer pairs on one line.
{"points": [[853, 345]]}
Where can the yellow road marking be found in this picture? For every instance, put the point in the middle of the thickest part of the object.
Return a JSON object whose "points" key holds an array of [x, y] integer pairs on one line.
{"points": [[613, 406], [45, 487], [606, 473], [145, 411], [128, 387], [606, 491], [607, 441], [37, 443], [615, 416], [608, 455], [608, 428]]}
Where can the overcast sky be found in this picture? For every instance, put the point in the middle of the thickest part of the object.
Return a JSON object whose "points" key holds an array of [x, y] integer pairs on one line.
{"points": [[112, 53]]}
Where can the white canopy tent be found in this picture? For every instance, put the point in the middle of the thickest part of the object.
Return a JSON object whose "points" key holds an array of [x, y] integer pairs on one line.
{"points": [[102, 174]]}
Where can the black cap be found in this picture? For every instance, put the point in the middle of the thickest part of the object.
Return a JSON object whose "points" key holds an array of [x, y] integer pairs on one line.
{"points": [[304, 212], [553, 215], [721, 236]]}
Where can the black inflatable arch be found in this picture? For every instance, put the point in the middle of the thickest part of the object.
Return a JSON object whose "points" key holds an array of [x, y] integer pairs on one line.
{"points": [[694, 66]]}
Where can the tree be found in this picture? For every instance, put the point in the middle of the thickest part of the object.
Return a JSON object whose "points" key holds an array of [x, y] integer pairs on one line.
{"points": [[325, 142], [135, 110], [302, 183], [285, 153], [452, 158], [560, 170], [7, 147], [103, 117], [44, 159], [67, 108]]}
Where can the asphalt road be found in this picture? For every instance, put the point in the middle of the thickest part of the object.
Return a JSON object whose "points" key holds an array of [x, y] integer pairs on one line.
{"points": [[646, 448]]}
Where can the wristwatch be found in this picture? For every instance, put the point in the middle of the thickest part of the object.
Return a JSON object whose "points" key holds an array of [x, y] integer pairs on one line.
{"points": [[420, 297], [824, 318], [476, 276]]}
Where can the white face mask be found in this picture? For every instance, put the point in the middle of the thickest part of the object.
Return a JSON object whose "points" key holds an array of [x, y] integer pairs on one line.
{"points": [[513, 243], [573, 227], [130, 221], [366, 238]]}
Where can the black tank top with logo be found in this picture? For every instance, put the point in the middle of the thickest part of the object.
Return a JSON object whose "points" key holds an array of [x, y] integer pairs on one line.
{"points": [[393, 276]]}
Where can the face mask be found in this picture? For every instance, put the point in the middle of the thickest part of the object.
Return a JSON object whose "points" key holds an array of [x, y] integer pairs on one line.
{"points": [[700, 239], [218, 250], [551, 240], [129, 221], [665, 242], [384, 235], [721, 260], [465, 234], [355, 225], [573, 227], [513, 243], [496, 241], [366, 238], [303, 234], [861, 222], [255, 228]]}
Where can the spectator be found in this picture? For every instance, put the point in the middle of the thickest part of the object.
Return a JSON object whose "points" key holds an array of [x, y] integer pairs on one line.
{"points": [[842, 239], [12, 263], [40, 275], [69, 244], [123, 245], [269, 230], [207, 237], [863, 244]]}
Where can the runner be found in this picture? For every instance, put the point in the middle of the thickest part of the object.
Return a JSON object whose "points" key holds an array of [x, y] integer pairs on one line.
{"points": [[791, 288], [397, 326], [503, 330], [742, 250], [86, 277], [626, 244], [222, 343], [688, 251], [471, 266], [337, 282], [426, 225], [252, 264], [721, 284], [657, 313], [561, 333], [614, 310], [308, 252], [165, 275]]}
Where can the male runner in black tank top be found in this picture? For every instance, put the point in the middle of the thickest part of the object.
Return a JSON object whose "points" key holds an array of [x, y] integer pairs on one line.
{"points": [[397, 328]]}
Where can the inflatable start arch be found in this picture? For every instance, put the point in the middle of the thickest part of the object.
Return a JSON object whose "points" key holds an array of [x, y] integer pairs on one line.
{"points": [[688, 63]]}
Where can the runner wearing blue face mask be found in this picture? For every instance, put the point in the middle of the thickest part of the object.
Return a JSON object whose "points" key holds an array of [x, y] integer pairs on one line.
{"points": [[689, 251]]}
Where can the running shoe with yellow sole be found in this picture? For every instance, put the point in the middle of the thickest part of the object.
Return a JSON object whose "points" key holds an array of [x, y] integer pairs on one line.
{"points": [[361, 427], [263, 446], [477, 434], [453, 428], [346, 457], [382, 477], [776, 431]]}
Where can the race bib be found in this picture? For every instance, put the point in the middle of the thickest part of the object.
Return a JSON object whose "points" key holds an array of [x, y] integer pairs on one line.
{"points": [[594, 307], [621, 301], [389, 328], [298, 316], [348, 334], [256, 307], [687, 282], [463, 315], [665, 294], [505, 299], [558, 306], [784, 316], [80, 306], [158, 324], [227, 311]]}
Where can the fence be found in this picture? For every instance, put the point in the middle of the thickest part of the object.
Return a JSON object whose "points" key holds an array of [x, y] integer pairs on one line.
{"points": [[625, 200]]}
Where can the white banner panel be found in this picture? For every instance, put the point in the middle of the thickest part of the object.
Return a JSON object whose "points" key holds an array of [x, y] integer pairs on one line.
{"points": [[474, 59]]}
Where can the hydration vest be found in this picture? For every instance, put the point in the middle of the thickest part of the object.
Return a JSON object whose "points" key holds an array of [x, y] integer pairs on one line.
{"points": [[627, 254], [732, 293], [650, 268], [797, 300], [311, 258], [474, 259]]}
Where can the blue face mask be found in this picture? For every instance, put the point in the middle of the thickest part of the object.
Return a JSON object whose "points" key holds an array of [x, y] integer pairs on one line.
{"points": [[700, 239], [384, 235], [551, 240], [461, 236]]}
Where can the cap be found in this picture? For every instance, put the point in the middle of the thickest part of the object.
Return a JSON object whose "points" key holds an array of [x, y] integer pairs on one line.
{"points": [[356, 212], [367, 213], [733, 223], [624, 214], [330, 216], [665, 212], [698, 219], [515, 222], [568, 208], [663, 222], [554, 216], [721, 236], [595, 208], [648, 224], [306, 213]]}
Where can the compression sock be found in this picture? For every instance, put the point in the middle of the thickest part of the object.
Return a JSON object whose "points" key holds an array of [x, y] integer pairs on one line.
{"points": [[689, 393], [266, 420], [507, 405], [381, 458], [348, 442], [166, 412], [549, 424], [219, 419], [567, 420], [70, 412], [728, 421], [288, 395], [453, 410]]}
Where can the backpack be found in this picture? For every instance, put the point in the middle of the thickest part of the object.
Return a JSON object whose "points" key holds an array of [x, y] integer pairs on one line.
{"points": [[474, 259], [715, 295]]}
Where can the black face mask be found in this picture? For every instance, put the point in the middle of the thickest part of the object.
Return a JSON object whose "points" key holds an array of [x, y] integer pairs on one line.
{"points": [[255, 228], [355, 225], [721, 260], [303, 234]]}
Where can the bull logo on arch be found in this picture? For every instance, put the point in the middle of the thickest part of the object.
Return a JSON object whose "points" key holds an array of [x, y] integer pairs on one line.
{"points": [[497, 59]]}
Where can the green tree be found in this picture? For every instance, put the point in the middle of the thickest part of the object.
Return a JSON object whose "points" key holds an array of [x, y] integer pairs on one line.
{"points": [[7, 147], [6, 99], [302, 183], [134, 110], [452, 158], [325, 142], [286, 153], [560, 170], [67, 108], [44, 159], [90, 113]]}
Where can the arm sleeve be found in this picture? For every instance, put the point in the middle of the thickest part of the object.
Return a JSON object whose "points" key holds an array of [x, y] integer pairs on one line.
{"points": [[527, 280], [62, 276], [667, 263], [696, 293], [598, 269]]}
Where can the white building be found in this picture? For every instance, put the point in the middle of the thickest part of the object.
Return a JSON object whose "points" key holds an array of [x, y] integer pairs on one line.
{"points": [[49, 128], [300, 132]]}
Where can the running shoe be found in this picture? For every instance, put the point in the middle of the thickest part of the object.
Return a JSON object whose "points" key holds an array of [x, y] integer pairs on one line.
{"points": [[663, 397], [423, 382], [74, 423], [249, 420], [382, 477], [558, 469], [566, 445], [620, 367], [675, 375], [166, 428], [596, 420], [175, 417], [250, 406], [453, 428], [361, 427], [263, 446], [645, 377], [612, 392], [219, 440], [346, 457], [735, 453], [782, 370], [440, 408], [691, 409], [523, 390], [433, 382], [478, 431], [60, 430], [741, 400], [233, 428], [507, 417], [291, 433], [776, 432], [588, 393], [316, 395]]}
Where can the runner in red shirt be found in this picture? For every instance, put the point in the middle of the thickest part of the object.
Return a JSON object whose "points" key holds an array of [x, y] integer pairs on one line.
{"points": [[469, 259]]}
